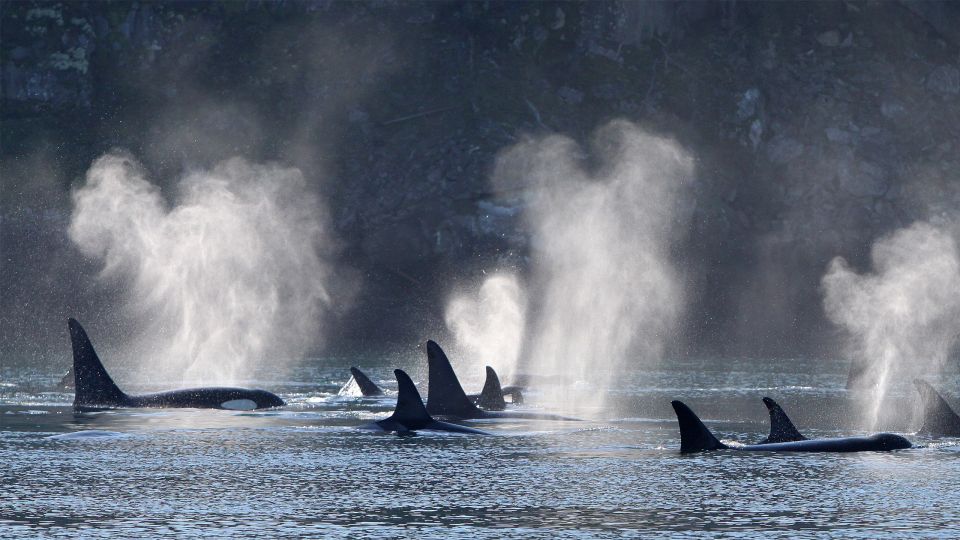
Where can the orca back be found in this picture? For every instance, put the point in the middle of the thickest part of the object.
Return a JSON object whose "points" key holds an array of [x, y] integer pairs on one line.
{"points": [[879, 442], [694, 436], [367, 387], [491, 397], [410, 411], [938, 418], [93, 386], [445, 395], [781, 428]]}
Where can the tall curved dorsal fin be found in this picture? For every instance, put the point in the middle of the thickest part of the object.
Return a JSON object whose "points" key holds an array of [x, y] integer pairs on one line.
{"points": [[491, 397], [367, 387], [781, 428], [94, 387], [938, 418], [694, 436], [410, 411], [445, 395]]}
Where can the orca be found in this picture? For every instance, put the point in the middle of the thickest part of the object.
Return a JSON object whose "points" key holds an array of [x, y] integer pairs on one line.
{"points": [[491, 397], [367, 387], [515, 392], [781, 428], [66, 382], [938, 418], [410, 415], [445, 396], [695, 437], [95, 389]]}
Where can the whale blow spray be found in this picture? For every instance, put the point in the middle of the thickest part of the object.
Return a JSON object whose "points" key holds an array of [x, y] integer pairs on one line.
{"points": [[234, 271], [902, 319], [488, 326], [603, 288]]}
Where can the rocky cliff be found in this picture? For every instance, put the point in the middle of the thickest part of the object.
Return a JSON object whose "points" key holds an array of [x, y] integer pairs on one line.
{"points": [[816, 128]]}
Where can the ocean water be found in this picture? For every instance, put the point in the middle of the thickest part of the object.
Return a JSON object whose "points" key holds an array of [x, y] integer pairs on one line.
{"points": [[306, 471]]}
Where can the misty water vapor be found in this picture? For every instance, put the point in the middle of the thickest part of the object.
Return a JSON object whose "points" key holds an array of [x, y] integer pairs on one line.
{"points": [[489, 326], [603, 289], [233, 272], [901, 319]]}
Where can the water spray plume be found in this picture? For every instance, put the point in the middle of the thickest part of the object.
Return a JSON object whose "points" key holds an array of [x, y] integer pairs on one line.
{"points": [[232, 274], [901, 320], [607, 291], [488, 327]]}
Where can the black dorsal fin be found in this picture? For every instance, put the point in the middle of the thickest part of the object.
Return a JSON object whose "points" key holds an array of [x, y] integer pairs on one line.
{"points": [[367, 387], [938, 418], [694, 436], [94, 387], [410, 411], [781, 428], [445, 396], [491, 397]]}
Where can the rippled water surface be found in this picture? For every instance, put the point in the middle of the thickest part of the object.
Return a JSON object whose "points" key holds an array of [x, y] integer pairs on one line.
{"points": [[307, 471]]}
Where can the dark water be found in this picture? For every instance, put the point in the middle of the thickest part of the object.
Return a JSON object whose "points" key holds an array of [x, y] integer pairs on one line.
{"points": [[306, 470]]}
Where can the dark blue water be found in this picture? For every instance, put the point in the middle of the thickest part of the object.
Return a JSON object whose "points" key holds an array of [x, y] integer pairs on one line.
{"points": [[307, 471]]}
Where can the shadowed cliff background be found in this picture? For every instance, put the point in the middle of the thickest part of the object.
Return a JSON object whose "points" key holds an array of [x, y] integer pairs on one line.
{"points": [[815, 129]]}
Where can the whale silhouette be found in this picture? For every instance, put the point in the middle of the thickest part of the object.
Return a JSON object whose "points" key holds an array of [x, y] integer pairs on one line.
{"points": [[95, 389], [446, 398], [411, 415], [781, 428], [938, 418], [695, 437]]}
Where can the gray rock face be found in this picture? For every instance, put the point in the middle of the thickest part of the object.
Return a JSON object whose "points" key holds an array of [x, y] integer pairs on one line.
{"points": [[810, 141], [830, 38], [944, 80], [570, 95], [782, 150]]}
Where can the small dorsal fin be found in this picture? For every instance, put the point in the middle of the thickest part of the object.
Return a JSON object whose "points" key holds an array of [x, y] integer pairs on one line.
{"points": [[410, 411], [694, 436], [367, 387], [94, 387], [445, 395], [491, 397], [937, 416], [67, 381], [781, 428]]}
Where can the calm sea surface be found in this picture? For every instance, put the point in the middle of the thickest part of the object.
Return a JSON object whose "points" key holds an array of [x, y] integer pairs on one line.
{"points": [[307, 471]]}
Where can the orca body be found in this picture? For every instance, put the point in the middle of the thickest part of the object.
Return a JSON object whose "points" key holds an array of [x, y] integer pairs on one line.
{"points": [[695, 437], [515, 392], [445, 395], [410, 415], [95, 388], [938, 418], [491, 397], [781, 428], [367, 387]]}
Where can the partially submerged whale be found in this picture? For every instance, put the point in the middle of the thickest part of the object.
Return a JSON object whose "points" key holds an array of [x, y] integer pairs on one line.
{"points": [[411, 415], [491, 397], [781, 428], [937, 417], [67, 382], [367, 387], [95, 388], [695, 437], [445, 395]]}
